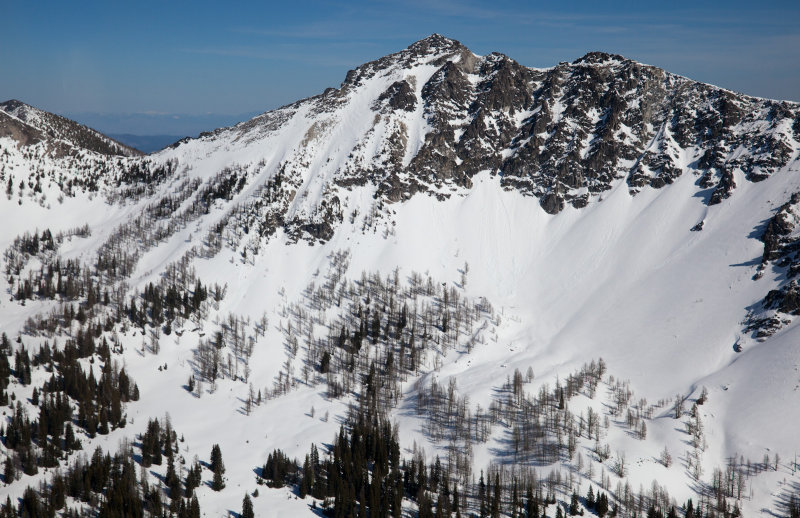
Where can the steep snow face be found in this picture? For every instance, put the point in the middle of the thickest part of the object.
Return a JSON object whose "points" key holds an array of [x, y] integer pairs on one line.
{"points": [[604, 208], [432, 117]]}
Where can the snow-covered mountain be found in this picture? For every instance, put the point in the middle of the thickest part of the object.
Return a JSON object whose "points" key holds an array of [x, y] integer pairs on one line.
{"points": [[447, 240], [59, 129]]}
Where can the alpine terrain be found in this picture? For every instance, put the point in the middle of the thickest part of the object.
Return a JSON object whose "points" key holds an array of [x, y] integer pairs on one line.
{"points": [[453, 286]]}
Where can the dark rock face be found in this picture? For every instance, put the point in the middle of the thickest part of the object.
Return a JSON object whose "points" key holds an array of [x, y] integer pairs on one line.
{"points": [[724, 188], [781, 251], [785, 300], [565, 134], [777, 227], [399, 96]]}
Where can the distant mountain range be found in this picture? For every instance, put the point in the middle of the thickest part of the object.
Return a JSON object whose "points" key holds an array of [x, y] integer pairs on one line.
{"points": [[146, 143], [158, 123]]}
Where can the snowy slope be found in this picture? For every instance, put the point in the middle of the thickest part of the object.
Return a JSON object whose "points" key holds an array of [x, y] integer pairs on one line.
{"points": [[576, 228]]}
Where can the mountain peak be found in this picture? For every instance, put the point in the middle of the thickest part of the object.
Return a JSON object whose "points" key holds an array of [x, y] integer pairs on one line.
{"points": [[20, 110], [598, 58], [435, 42], [12, 104]]}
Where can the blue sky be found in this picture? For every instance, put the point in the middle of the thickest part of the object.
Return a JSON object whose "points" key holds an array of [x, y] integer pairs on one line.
{"points": [[194, 63]]}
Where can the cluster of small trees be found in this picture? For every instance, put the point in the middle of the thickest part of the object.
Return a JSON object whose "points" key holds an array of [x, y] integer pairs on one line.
{"points": [[144, 171], [227, 352], [107, 486], [539, 428], [383, 331], [279, 471], [364, 474], [70, 396], [70, 172], [598, 504]]}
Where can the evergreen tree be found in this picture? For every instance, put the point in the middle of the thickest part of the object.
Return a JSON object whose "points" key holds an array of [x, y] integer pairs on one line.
{"points": [[218, 468], [531, 504], [194, 508], [689, 509], [308, 479], [172, 480], [574, 506], [9, 473], [247, 507], [495, 509], [601, 505], [216, 459], [482, 497]]}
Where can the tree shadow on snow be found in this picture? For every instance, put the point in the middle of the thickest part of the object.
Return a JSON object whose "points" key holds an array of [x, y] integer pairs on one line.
{"points": [[783, 500]]}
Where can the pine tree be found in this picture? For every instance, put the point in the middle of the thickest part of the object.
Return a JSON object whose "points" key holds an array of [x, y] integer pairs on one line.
{"points": [[194, 508], [574, 507], [217, 484], [216, 459], [218, 467], [601, 505], [531, 504], [193, 479], [172, 480], [496, 497], [247, 507], [9, 473], [307, 481], [482, 496], [794, 507]]}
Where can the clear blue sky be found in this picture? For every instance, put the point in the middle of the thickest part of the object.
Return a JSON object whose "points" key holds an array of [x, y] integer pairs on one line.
{"points": [[232, 58]]}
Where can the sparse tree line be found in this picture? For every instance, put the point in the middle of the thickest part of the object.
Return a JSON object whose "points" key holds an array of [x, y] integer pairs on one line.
{"points": [[120, 178], [118, 256], [364, 474], [382, 330], [99, 289], [379, 345]]}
